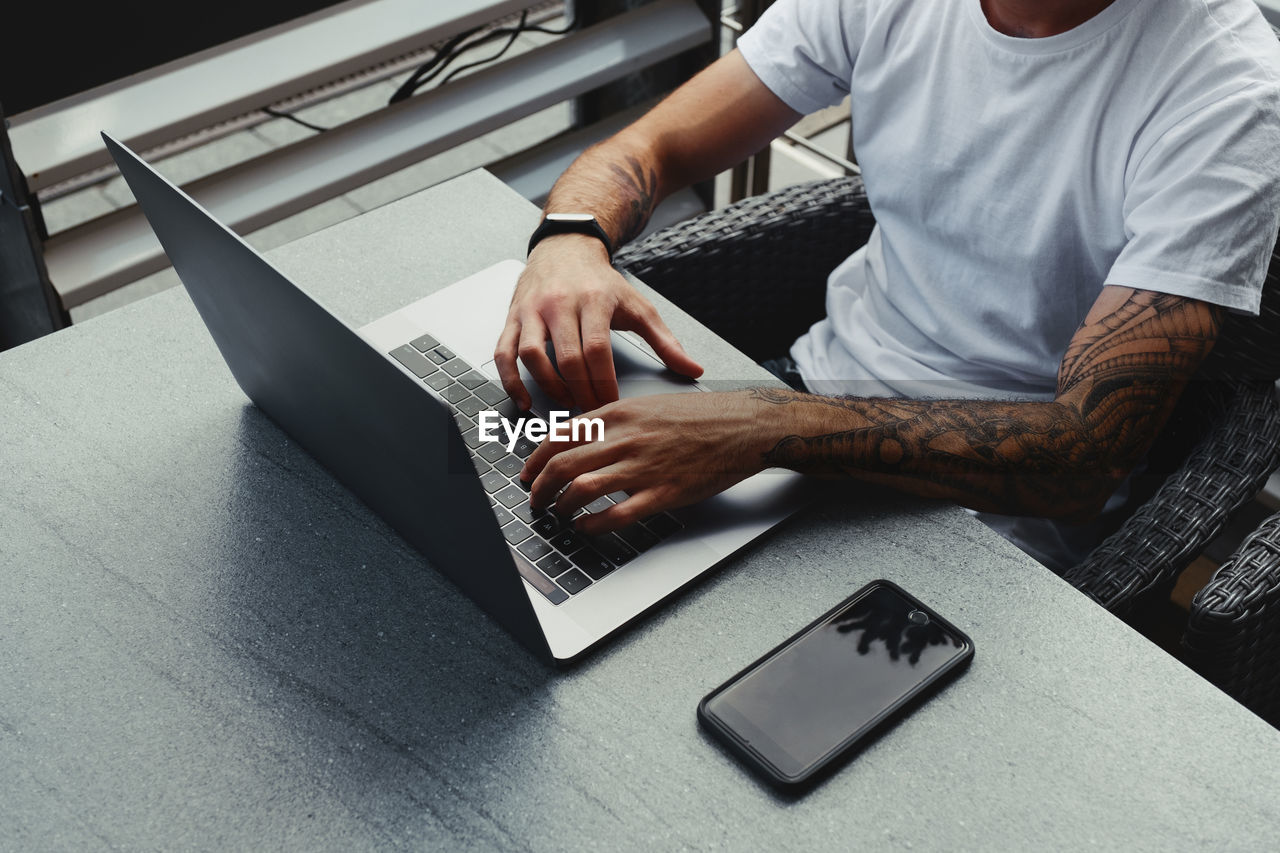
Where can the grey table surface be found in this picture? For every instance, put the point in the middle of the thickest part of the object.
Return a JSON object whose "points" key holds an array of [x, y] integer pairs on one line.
{"points": [[206, 643]]}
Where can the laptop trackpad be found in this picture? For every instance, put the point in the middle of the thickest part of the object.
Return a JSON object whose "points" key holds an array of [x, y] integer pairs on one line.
{"points": [[640, 374]]}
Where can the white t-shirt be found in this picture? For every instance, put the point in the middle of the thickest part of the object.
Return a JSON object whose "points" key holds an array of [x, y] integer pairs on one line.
{"points": [[1012, 178]]}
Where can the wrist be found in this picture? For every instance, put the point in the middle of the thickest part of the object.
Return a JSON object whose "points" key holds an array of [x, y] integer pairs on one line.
{"points": [[766, 424], [554, 224], [583, 246]]}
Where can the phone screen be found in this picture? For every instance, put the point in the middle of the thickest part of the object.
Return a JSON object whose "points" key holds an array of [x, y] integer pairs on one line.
{"points": [[836, 679]]}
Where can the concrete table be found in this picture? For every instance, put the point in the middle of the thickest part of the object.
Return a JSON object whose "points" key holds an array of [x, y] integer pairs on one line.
{"points": [[206, 643]]}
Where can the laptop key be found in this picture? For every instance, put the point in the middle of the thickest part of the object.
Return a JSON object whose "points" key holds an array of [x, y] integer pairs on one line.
{"points": [[502, 514], [546, 525], [437, 357], [492, 482], [424, 343], [470, 406], [525, 512], [490, 393], [454, 393], [662, 524], [524, 448], [554, 565], [471, 379], [482, 467], [592, 562], [410, 358], [541, 583], [445, 352], [534, 548], [567, 540], [439, 381], [600, 504], [638, 537], [511, 495], [617, 551], [473, 439], [617, 497], [515, 532], [509, 410], [573, 581], [455, 366], [509, 465], [492, 451]]}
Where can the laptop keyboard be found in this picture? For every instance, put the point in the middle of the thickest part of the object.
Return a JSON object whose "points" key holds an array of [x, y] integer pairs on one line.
{"points": [[566, 561]]}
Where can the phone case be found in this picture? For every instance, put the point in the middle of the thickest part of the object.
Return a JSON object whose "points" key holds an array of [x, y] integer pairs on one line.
{"points": [[859, 738]]}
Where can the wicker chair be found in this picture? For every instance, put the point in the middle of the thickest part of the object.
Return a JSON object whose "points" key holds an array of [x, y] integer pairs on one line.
{"points": [[756, 272], [1233, 633]]}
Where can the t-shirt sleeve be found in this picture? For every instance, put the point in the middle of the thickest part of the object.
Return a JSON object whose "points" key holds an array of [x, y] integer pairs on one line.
{"points": [[804, 50], [1203, 203]]}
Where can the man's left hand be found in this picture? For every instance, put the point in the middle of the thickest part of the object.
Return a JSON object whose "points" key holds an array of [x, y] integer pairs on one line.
{"points": [[665, 451]]}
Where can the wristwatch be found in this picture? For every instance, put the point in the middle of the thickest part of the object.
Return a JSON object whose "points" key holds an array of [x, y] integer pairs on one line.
{"points": [[571, 223]]}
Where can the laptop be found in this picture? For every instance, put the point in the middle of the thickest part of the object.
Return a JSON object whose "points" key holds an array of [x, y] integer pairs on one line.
{"points": [[391, 410]]}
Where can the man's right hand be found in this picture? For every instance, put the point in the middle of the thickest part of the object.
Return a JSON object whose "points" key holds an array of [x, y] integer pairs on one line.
{"points": [[570, 295]]}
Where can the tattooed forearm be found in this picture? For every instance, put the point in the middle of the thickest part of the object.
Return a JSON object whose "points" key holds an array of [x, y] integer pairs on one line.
{"points": [[1117, 384], [637, 187], [619, 187]]}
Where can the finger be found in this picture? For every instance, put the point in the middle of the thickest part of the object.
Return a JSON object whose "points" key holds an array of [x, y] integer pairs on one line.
{"points": [[567, 340], [600, 478], [564, 467], [532, 351], [646, 321], [545, 451], [597, 350], [504, 358], [640, 505]]}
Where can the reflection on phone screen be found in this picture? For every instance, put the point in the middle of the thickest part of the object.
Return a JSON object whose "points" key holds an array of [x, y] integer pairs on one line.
{"points": [[836, 679]]}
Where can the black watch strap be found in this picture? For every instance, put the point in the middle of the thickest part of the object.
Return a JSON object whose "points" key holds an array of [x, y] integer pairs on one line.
{"points": [[570, 223]]}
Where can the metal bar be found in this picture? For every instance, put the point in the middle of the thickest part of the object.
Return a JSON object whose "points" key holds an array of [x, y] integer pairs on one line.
{"points": [[750, 177], [118, 248], [760, 170], [850, 168], [648, 83], [60, 140], [533, 171], [375, 73]]}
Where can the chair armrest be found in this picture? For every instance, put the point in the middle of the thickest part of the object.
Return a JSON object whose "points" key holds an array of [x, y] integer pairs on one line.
{"points": [[1227, 468], [1233, 632], [756, 272]]}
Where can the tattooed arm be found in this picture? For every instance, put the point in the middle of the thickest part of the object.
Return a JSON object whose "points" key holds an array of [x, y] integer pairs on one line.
{"points": [[1118, 382], [568, 293], [1120, 378]]}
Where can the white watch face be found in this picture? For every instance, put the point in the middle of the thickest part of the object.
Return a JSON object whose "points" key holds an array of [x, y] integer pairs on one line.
{"points": [[570, 217]]}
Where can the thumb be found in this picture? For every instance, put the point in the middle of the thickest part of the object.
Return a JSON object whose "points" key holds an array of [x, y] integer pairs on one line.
{"points": [[655, 332]]}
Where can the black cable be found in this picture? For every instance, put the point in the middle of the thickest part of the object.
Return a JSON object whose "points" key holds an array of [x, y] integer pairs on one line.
{"points": [[291, 117], [454, 48], [443, 60], [445, 53], [515, 34], [448, 60], [537, 28]]}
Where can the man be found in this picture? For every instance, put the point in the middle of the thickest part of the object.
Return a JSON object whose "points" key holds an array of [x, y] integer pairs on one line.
{"points": [[1069, 195]]}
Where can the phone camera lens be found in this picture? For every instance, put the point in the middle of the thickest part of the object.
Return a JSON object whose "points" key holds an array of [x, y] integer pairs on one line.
{"points": [[918, 617]]}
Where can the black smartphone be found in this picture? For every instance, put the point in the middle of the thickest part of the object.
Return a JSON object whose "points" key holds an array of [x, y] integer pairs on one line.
{"points": [[826, 691]]}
